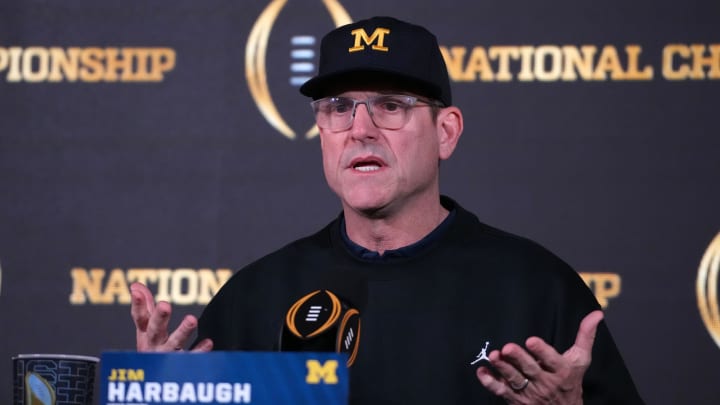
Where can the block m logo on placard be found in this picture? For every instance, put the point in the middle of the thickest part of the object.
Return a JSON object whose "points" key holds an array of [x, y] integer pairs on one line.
{"points": [[326, 372]]}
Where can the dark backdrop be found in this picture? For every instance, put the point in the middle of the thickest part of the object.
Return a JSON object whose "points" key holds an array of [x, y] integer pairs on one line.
{"points": [[180, 170]]}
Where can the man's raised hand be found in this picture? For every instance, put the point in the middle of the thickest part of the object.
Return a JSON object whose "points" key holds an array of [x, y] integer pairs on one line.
{"points": [[151, 324]]}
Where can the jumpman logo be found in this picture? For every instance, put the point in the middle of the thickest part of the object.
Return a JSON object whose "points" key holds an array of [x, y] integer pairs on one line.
{"points": [[482, 355]]}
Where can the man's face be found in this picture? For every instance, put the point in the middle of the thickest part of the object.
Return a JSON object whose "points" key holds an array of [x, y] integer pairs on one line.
{"points": [[378, 171]]}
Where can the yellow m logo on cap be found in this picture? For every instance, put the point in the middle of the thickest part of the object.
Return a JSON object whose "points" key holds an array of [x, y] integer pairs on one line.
{"points": [[362, 36], [327, 372]]}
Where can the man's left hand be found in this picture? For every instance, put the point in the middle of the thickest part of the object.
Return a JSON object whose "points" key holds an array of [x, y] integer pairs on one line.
{"points": [[541, 375]]}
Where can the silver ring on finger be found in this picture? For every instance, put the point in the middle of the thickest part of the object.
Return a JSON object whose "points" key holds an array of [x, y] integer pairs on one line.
{"points": [[519, 387]]}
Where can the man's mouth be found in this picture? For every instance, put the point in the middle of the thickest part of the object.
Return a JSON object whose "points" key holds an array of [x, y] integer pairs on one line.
{"points": [[367, 165]]}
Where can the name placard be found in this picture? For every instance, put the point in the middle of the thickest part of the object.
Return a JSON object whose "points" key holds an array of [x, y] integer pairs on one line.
{"points": [[260, 378]]}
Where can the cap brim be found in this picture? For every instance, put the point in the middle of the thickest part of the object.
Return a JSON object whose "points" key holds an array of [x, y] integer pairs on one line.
{"points": [[329, 84]]}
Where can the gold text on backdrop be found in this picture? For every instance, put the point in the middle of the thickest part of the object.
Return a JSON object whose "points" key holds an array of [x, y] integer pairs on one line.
{"points": [[545, 63], [570, 63], [604, 285], [36, 64], [178, 286], [683, 62]]}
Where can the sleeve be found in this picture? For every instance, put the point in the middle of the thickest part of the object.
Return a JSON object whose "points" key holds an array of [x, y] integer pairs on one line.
{"points": [[607, 379]]}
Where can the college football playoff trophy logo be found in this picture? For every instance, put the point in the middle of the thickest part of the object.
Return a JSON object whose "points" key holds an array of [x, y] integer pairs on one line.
{"points": [[707, 288], [255, 61]]}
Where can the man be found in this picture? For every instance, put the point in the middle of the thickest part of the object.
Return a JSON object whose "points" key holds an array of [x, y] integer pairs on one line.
{"points": [[436, 289]]}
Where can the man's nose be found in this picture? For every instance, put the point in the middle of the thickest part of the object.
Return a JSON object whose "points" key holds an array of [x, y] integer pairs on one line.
{"points": [[362, 125]]}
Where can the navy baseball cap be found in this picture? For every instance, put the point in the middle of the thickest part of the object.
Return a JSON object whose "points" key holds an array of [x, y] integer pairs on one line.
{"points": [[381, 48]]}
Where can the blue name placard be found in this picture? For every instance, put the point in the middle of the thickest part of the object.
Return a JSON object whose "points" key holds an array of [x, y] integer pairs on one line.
{"points": [[260, 378]]}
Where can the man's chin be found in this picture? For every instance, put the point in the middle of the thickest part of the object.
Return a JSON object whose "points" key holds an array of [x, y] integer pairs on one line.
{"points": [[369, 206]]}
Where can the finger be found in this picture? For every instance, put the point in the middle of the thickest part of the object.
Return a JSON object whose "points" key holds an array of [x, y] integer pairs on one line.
{"points": [[138, 306], [157, 329], [178, 339], [204, 345], [138, 312], [507, 370], [547, 357], [492, 383], [588, 328], [521, 360], [145, 292]]}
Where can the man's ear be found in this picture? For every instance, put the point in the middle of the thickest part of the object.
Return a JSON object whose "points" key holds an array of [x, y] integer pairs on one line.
{"points": [[450, 127]]}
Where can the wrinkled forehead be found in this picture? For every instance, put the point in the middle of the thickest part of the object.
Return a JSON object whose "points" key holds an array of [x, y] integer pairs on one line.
{"points": [[381, 84]]}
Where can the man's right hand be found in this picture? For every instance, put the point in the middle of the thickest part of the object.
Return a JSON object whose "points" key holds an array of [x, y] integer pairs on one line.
{"points": [[151, 324]]}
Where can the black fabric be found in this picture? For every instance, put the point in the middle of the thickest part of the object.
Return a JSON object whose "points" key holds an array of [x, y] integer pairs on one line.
{"points": [[424, 318]]}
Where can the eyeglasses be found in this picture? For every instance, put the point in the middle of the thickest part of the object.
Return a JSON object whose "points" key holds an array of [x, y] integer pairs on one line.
{"points": [[387, 111]]}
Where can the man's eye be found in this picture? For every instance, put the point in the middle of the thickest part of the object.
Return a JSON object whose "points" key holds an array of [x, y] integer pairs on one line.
{"points": [[391, 105], [340, 108]]}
